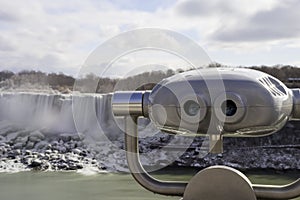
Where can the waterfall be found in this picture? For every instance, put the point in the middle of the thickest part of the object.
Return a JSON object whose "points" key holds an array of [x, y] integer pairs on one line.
{"points": [[89, 114]]}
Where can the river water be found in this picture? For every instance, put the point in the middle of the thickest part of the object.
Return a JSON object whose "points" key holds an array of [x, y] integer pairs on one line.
{"points": [[106, 186]]}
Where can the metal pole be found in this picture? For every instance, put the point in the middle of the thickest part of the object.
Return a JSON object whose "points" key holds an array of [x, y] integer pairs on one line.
{"points": [[138, 172]]}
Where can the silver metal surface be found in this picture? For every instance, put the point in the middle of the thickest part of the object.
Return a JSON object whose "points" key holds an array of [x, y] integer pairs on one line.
{"points": [[289, 191], [127, 103], [215, 143], [146, 103], [251, 91], [219, 183], [137, 170], [296, 104]]}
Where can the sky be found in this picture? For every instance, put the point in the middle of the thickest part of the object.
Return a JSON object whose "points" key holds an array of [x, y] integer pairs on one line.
{"points": [[59, 35]]}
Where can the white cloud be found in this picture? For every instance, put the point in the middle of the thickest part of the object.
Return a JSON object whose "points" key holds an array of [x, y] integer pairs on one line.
{"points": [[278, 23], [246, 32], [59, 35], [51, 34]]}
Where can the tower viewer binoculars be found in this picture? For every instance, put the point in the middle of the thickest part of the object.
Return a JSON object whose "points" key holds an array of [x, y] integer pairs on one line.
{"points": [[213, 103]]}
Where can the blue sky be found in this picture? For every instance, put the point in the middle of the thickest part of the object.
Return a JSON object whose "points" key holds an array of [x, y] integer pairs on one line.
{"points": [[58, 36]]}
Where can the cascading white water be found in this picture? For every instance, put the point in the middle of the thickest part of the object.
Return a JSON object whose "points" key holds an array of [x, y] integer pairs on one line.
{"points": [[88, 114]]}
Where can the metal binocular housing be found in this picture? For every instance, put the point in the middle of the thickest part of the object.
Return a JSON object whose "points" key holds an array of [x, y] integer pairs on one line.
{"points": [[214, 103]]}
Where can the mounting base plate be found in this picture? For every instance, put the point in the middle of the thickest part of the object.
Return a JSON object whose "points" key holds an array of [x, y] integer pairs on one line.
{"points": [[219, 183]]}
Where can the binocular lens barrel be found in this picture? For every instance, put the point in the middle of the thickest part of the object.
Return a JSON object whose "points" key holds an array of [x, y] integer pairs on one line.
{"points": [[129, 103]]}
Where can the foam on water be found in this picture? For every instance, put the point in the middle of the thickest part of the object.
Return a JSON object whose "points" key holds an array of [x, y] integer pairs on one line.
{"points": [[90, 171]]}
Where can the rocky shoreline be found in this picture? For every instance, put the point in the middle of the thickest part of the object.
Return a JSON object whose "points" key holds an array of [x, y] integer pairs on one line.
{"points": [[280, 151], [35, 151], [25, 149]]}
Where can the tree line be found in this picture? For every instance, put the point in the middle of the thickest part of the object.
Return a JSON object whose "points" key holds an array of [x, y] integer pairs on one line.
{"points": [[92, 83]]}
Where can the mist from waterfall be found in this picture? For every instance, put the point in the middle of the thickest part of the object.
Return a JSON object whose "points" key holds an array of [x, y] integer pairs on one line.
{"points": [[89, 114]]}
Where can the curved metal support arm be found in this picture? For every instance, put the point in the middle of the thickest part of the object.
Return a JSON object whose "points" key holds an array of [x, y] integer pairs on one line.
{"points": [[177, 188], [278, 192], [137, 170]]}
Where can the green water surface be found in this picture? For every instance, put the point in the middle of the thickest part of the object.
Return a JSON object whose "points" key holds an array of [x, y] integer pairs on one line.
{"points": [[111, 186]]}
